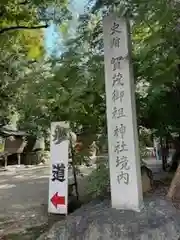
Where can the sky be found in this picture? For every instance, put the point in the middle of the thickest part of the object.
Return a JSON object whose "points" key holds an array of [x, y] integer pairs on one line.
{"points": [[77, 7]]}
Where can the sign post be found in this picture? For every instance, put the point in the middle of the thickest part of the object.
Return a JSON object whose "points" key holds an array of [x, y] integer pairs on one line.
{"points": [[2, 144], [124, 159], [58, 181]]}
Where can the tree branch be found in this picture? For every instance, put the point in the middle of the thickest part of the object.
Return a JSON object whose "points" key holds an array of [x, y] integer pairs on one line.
{"points": [[3, 30], [24, 2]]}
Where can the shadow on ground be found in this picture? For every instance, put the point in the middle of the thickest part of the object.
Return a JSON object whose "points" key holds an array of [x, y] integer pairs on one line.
{"points": [[29, 234], [33, 233], [23, 201]]}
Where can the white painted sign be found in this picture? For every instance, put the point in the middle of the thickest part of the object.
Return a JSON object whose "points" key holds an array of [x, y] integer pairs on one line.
{"points": [[124, 160], [58, 180]]}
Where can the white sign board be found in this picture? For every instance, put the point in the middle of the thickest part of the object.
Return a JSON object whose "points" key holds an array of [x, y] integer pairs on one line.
{"points": [[124, 160], [58, 180]]}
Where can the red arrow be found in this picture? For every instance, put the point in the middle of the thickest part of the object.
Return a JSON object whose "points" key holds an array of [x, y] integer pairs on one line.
{"points": [[57, 200]]}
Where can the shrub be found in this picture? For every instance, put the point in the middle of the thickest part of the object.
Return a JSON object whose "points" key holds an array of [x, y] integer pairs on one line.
{"points": [[99, 181]]}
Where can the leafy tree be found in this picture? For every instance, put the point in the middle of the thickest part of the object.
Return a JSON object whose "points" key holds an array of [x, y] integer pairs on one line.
{"points": [[155, 57], [76, 92], [21, 44], [71, 86]]}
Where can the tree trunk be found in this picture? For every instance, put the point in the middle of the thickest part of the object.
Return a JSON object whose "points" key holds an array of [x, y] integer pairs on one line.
{"points": [[5, 161], [19, 158], [174, 190], [176, 155], [163, 154]]}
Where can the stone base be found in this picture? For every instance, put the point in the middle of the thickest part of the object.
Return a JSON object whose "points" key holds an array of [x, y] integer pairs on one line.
{"points": [[158, 220], [147, 179]]}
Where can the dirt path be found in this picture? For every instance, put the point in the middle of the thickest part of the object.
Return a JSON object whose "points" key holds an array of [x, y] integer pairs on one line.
{"points": [[24, 196], [23, 199]]}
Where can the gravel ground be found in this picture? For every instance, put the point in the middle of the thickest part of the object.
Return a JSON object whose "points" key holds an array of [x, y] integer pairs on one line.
{"points": [[23, 200]]}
